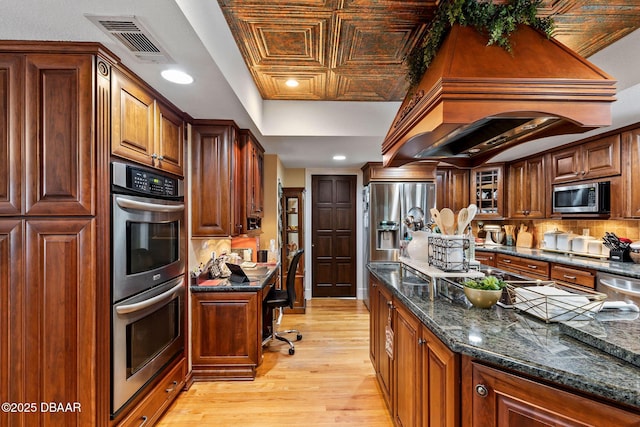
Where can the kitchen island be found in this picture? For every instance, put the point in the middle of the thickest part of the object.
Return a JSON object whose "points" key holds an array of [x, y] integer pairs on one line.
{"points": [[554, 370], [229, 323]]}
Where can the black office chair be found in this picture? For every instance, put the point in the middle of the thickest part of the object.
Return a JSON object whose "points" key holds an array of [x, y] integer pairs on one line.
{"points": [[278, 299]]}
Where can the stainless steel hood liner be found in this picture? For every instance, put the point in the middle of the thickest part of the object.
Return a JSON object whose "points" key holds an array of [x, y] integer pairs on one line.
{"points": [[477, 100]]}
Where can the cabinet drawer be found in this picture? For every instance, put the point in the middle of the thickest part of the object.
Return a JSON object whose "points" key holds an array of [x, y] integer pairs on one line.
{"points": [[528, 267], [486, 258], [157, 399], [574, 276]]}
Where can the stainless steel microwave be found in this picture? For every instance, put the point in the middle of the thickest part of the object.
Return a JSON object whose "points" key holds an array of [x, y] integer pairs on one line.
{"points": [[592, 198]]}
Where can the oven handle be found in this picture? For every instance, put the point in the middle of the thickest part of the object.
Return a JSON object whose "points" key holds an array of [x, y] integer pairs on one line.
{"points": [[130, 308], [144, 206]]}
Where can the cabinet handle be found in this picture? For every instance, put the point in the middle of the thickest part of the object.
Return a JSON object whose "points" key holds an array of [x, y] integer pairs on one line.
{"points": [[508, 261], [421, 341], [569, 277], [144, 419], [481, 390], [170, 390], [533, 267]]}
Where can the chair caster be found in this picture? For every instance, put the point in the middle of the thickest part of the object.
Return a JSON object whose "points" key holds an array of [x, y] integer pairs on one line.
{"points": [[292, 351], [299, 337]]}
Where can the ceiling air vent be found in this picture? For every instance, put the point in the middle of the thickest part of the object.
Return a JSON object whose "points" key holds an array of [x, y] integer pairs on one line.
{"points": [[130, 32]]}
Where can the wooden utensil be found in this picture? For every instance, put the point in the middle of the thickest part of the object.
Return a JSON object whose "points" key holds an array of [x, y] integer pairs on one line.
{"points": [[463, 220], [448, 219], [435, 214], [472, 210]]}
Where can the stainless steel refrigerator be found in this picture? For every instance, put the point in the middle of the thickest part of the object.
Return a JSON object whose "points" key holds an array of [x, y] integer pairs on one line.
{"points": [[391, 211]]}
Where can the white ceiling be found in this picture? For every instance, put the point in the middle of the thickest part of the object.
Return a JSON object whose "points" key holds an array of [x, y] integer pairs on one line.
{"points": [[301, 133]]}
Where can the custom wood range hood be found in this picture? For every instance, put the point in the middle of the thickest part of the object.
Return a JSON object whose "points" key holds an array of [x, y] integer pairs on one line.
{"points": [[475, 101]]}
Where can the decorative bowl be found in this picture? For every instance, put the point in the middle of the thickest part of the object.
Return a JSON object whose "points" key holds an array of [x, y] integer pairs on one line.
{"points": [[635, 256], [482, 298]]}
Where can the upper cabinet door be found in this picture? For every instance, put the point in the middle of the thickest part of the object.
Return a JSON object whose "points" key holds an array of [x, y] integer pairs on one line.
{"points": [[526, 184], [595, 159], [170, 140], [11, 116], [631, 193], [59, 148], [487, 189], [132, 120], [144, 129], [211, 180]]}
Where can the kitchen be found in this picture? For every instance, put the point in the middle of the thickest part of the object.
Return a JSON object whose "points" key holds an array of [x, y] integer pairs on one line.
{"points": [[90, 205]]}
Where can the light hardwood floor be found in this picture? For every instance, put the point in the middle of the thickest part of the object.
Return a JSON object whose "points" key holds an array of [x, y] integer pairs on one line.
{"points": [[328, 381]]}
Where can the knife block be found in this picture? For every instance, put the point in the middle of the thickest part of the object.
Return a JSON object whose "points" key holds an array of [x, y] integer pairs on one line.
{"points": [[620, 255]]}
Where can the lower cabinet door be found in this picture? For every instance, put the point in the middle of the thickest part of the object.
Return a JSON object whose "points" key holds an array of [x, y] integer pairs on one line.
{"points": [[503, 399], [407, 385], [48, 322], [227, 335]]}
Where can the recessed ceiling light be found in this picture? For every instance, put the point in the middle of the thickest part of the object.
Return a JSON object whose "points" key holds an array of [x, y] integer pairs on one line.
{"points": [[339, 157], [177, 76], [292, 83]]}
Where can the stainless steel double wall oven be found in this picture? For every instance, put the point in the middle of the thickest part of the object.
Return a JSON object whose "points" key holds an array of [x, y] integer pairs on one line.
{"points": [[148, 266]]}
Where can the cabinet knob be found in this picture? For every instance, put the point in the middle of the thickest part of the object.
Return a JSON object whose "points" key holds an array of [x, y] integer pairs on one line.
{"points": [[421, 341], [144, 419], [161, 158], [481, 390], [174, 384], [154, 156]]}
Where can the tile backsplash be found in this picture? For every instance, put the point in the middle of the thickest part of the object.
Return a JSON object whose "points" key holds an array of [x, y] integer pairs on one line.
{"points": [[597, 228]]}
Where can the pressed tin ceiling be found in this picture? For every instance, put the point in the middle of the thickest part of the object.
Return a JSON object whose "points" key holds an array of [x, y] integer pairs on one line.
{"points": [[353, 50]]}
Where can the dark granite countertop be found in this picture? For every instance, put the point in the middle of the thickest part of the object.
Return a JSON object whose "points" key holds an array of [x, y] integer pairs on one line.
{"points": [[259, 277], [623, 268], [513, 340]]}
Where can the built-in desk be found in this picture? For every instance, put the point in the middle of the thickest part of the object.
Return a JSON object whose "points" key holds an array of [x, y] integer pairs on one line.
{"points": [[229, 322]]}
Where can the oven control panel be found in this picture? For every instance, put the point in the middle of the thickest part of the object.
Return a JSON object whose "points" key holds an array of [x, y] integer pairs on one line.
{"points": [[146, 182], [151, 183]]}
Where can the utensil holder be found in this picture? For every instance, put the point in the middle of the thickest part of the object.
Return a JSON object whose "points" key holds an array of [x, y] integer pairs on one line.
{"points": [[620, 255]]}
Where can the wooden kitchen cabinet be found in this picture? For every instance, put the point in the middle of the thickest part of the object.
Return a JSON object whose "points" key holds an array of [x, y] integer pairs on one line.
{"points": [[421, 382], [158, 400], [145, 129], [452, 188], [51, 174], [527, 193], [487, 191], [213, 152], [573, 276], [440, 382], [12, 113], [497, 398], [594, 159], [381, 313], [426, 375], [293, 240], [486, 257], [55, 303], [253, 154], [48, 320], [407, 385], [228, 329], [631, 184], [533, 268]]}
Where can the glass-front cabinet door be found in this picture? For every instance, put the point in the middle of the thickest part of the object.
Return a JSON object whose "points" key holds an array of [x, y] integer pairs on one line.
{"points": [[487, 192], [293, 239]]}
